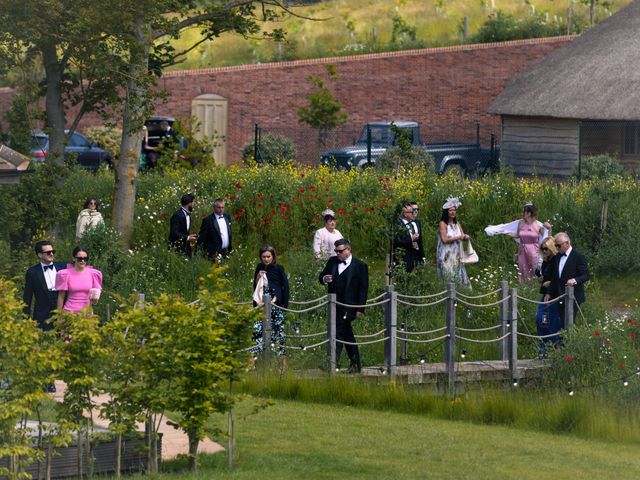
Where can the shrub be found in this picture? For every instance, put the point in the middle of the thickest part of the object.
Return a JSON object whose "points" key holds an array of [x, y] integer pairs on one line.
{"points": [[193, 153], [108, 138], [396, 157], [273, 149], [503, 27], [601, 167]]}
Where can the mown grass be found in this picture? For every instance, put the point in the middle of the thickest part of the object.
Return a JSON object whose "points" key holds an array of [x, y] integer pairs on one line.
{"points": [[293, 440], [360, 26]]}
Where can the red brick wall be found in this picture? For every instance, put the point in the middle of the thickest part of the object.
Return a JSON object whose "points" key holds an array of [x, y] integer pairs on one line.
{"points": [[445, 89]]}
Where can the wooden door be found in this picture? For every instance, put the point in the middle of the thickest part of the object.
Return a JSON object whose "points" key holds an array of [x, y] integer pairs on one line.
{"points": [[211, 112]]}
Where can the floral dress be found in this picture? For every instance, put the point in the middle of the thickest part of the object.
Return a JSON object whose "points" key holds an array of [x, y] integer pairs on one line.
{"points": [[450, 268], [278, 287]]}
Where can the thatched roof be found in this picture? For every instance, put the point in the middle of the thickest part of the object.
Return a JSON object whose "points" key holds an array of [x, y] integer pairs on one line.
{"points": [[594, 77]]}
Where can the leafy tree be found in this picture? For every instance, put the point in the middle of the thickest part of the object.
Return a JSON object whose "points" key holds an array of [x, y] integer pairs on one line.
{"points": [[25, 368], [324, 111], [503, 26]]}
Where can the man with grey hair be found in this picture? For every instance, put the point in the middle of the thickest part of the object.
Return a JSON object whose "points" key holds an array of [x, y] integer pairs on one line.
{"points": [[569, 268]]}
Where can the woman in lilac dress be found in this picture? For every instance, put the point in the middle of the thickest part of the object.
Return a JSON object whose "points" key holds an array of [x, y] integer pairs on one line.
{"points": [[80, 282]]}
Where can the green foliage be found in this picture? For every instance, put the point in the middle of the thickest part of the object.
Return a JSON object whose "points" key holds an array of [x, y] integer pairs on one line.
{"points": [[21, 118], [602, 167], [503, 27], [107, 137], [26, 365], [404, 35], [273, 148], [195, 152], [324, 110]]}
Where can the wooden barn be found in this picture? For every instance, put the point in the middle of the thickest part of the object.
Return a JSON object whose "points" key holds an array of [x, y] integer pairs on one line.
{"points": [[582, 99]]}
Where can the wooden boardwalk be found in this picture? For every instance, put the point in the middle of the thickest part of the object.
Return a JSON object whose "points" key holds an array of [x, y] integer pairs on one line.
{"points": [[477, 371]]}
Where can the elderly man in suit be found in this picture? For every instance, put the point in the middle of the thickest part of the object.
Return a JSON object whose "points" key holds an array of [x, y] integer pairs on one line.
{"points": [[215, 232], [40, 284], [569, 268], [348, 278], [408, 236], [180, 224]]}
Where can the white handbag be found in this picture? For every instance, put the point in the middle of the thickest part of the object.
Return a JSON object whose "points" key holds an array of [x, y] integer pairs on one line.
{"points": [[467, 253]]}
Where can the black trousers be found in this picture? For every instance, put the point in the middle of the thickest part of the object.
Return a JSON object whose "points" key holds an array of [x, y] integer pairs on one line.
{"points": [[344, 332]]}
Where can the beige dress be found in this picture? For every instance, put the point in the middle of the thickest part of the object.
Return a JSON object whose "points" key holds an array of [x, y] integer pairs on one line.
{"points": [[87, 220]]}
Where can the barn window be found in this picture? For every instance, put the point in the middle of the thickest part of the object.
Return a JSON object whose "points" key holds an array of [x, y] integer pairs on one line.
{"points": [[632, 139]]}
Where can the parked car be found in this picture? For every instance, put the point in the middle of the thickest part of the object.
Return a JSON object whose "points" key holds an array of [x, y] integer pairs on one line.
{"points": [[376, 137], [155, 131], [88, 154]]}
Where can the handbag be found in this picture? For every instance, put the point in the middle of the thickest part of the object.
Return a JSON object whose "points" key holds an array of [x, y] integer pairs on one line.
{"points": [[467, 253], [94, 294]]}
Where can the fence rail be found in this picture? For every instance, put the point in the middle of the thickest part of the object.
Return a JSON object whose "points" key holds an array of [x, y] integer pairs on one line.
{"points": [[395, 338]]}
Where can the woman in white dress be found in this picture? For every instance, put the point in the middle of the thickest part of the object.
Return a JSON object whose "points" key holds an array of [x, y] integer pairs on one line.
{"points": [[450, 237], [324, 239]]}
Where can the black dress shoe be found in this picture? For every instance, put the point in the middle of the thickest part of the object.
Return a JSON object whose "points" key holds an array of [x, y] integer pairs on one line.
{"points": [[354, 368]]}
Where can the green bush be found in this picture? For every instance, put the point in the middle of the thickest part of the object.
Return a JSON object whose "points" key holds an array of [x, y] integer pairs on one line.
{"points": [[503, 27], [195, 152], [106, 137], [602, 167], [396, 157], [273, 149]]}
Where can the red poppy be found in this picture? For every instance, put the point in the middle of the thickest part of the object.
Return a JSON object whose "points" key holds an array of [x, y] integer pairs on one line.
{"points": [[273, 211], [312, 188], [629, 320], [238, 185], [569, 358], [326, 189], [331, 200], [634, 335], [232, 197], [311, 196], [621, 366], [322, 180], [342, 211], [634, 323], [302, 175], [596, 333], [260, 196], [283, 208], [302, 190]]}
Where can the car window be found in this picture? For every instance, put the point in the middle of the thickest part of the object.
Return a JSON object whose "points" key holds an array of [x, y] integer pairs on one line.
{"points": [[38, 142], [77, 140]]}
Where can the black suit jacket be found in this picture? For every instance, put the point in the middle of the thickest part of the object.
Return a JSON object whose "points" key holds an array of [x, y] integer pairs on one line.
{"points": [[402, 240], [209, 238], [575, 267], [351, 288], [35, 287], [178, 232]]}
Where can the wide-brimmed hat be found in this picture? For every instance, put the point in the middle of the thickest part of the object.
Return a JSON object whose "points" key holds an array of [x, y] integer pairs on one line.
{"points": [[451, 202]]}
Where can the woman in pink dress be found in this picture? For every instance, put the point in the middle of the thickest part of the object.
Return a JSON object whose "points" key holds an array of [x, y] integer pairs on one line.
{"points": [[80, 282], [530, 230]]}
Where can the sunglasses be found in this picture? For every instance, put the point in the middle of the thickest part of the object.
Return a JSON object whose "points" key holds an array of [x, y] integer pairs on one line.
{"points": [[49, 252], [558, 245], [340, 251], [544, 249], [415, 209], [82, 259]]}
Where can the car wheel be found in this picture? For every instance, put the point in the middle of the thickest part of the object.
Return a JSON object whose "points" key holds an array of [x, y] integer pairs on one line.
{"points": [[454, 169]]}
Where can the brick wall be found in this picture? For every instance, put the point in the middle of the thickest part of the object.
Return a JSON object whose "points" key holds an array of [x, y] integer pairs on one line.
{"points": [[445, 89]]}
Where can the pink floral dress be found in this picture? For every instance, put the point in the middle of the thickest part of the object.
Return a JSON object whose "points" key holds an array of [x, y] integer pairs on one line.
{"points": [[529, 251]]}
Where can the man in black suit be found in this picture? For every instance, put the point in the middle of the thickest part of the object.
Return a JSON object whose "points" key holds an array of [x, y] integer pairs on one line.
{"points": [[348, 278], [569, 268], [408, 236], [179, 236], [215, 232], [40, 284]]}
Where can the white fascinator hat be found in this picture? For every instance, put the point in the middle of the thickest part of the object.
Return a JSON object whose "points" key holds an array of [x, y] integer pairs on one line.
{"points": [[451, 202]]}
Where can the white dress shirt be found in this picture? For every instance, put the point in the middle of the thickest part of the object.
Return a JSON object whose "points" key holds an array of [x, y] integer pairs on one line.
{"points": [[563, 260], [49, 275], [343, 266], [224, 232], [187, 215]]}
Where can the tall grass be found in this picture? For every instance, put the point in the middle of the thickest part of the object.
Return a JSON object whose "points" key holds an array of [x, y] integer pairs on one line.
{"points": [[554, 411]]}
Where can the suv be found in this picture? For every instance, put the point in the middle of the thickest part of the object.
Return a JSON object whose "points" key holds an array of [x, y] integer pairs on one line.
{"points": [[89, 154], [155, 131]]}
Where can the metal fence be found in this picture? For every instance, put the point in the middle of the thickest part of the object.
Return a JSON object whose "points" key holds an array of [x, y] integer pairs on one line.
{"points": [[620, 140]]}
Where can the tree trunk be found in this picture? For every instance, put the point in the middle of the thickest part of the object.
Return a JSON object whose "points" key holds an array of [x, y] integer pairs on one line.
{"points": [[55, 117], [126, 167], [194, 441], [118, 454]]}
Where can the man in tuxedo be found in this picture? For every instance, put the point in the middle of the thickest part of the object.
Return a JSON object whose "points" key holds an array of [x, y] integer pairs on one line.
{"points": [[215, 232], [408, 236], [348, 278], [40, 284], [569, 268], [179, 236]]}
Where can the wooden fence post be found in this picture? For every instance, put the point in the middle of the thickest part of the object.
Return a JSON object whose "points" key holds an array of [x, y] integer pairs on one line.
{"points": [[331, 334], [513, 339], [569, 305], [391, 329], [503, 316], [450, 345]]}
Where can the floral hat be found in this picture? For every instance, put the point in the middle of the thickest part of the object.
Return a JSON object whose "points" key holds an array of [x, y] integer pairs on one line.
{"points": [[451, 202]]}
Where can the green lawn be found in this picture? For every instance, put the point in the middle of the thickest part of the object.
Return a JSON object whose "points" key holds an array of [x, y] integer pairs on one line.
{"points": [[295, 440]]}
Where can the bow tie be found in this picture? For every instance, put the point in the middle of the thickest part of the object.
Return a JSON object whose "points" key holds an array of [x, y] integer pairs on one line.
{"points": [[343, 262], [562, 254], [221, 216], [45, 267], [187, 213]]}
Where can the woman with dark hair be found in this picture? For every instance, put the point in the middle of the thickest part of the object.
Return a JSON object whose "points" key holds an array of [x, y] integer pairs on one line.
{"points": [[548, 316], [271, 275], [89, 218], [450, 237], [325, 238], [80, 282]]}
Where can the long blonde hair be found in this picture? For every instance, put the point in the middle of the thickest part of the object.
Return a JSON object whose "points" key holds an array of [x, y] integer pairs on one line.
{"points": [[549, 244]]}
